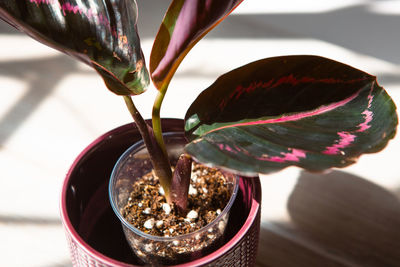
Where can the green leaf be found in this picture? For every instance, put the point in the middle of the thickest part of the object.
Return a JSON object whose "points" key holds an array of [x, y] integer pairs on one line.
{"points": [[184, 24], [305, 111], [99, 33]]}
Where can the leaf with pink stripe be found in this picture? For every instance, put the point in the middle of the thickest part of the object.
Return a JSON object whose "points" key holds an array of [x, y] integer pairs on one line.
{"points": [[184, 24], [99, 33], [305, 111]]}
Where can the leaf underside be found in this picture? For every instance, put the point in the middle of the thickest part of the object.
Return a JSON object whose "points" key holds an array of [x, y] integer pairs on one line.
{"points": [[99, 33], [184, 24], [304, 111]]}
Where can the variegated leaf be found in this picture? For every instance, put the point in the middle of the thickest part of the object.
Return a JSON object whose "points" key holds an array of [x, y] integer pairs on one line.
{"points": [[184, 24], [101, 34], [305, 111]]}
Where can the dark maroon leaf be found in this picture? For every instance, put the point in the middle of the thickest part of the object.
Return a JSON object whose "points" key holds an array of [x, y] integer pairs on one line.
{"points": [[102, 34], [184, 24], [306, 111], [180, 182]]}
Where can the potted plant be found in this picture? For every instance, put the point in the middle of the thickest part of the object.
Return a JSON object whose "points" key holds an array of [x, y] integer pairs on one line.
{"points": [[306, 111]]}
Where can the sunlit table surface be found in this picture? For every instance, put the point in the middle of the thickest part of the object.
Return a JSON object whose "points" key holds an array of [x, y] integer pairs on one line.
{"points": [[51, 107]]}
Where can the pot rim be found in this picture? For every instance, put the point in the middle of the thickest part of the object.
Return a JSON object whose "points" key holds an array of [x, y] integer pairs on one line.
{"points": [[73, 234]]}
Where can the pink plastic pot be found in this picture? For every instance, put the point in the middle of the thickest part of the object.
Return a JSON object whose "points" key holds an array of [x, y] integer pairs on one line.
{"points": [[94, 233]]}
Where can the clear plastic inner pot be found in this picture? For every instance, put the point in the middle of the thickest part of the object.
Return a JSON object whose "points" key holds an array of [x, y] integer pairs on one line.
{"points": [[134, 163]]}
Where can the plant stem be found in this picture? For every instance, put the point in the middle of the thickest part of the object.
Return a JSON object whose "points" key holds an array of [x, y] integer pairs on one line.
{"points": [[156, 120], [158, 158], [140, 122], [180, 179]]}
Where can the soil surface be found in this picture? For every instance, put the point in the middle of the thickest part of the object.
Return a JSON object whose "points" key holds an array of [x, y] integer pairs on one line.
{"points": [[148, 210]]}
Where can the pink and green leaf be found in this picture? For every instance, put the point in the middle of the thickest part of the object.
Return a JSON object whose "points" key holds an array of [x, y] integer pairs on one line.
{"points": [[184, 24], [101, 34], [305, 111]]}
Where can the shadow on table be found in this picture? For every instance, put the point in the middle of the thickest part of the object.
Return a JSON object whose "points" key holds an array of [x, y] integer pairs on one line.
{"points": [[337, 219], [41, 76], [359, 28]]}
